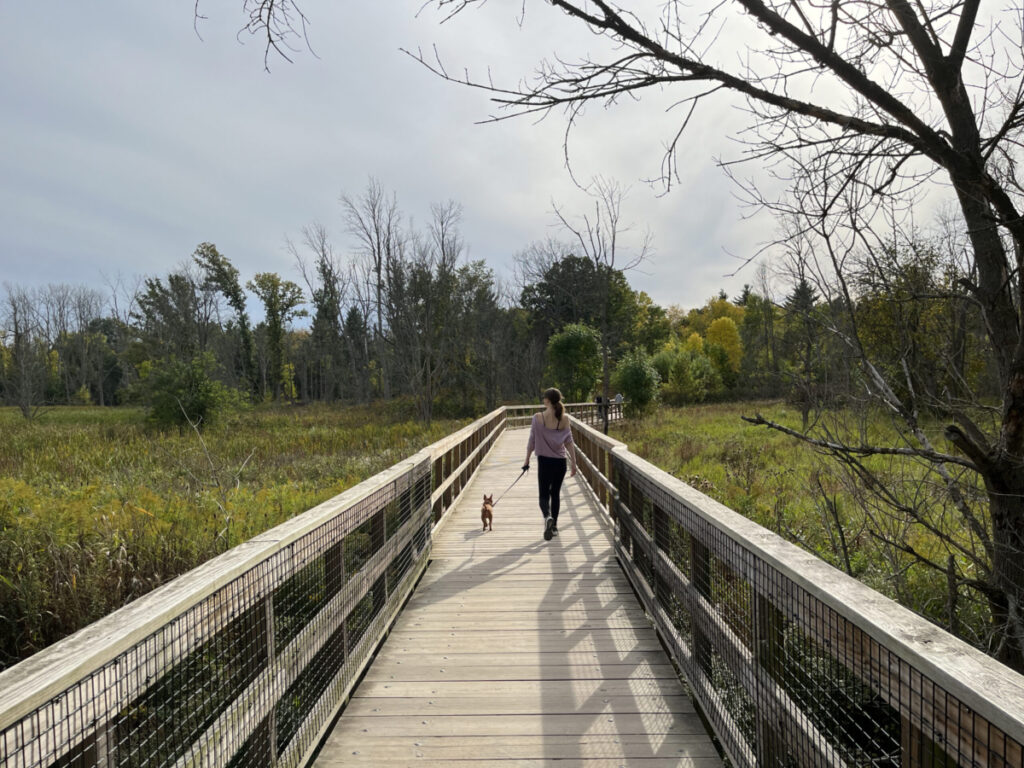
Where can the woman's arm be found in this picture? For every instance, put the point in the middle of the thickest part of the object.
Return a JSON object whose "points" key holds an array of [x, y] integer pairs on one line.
{"points": [[531, 442], [570, 450]]}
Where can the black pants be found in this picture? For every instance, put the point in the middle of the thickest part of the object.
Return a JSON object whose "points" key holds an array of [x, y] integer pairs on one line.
{"points": [[550, 474]]}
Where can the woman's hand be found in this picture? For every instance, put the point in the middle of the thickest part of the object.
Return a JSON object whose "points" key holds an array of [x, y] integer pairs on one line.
{"points": [[573, 472]]}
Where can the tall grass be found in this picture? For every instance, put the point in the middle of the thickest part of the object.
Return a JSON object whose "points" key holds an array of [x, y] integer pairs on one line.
{"points": [[805, 497], [96, 509]]}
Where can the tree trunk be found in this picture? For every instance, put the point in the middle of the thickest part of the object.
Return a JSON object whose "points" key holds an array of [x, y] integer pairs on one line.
{"points": [[1005, 493]]}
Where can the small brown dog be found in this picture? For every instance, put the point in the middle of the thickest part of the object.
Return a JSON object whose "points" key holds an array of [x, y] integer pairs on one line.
{"points": [[487, 513]]}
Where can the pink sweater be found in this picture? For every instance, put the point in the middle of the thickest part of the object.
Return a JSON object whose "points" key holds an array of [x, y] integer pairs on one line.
{"points": [[549, 442]]}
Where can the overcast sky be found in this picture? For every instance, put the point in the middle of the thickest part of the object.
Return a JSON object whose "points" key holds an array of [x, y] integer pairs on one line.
{"points": [[127, 140]]}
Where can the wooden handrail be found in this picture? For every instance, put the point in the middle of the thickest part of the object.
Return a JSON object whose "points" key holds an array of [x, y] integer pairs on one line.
{"points": [[946, 691], [66, 698]]}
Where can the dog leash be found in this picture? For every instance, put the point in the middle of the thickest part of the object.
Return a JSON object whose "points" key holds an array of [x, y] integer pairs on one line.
{"points": [[525, 470]]}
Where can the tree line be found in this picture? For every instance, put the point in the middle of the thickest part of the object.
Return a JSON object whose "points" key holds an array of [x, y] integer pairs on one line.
{"points": [[402, 311], [406, 313]]}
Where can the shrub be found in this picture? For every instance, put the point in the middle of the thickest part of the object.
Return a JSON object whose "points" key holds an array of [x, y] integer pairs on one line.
{"points": [[180, 392], [636, 377], [574, 361], [663, 362], [693, 379]]}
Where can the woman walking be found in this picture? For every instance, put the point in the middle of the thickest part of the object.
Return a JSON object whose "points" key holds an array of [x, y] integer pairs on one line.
{"points": [[551, 438]]}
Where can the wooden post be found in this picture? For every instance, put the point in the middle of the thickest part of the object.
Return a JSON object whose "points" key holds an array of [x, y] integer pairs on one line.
{"points": [[106, 746], [271, 719], [700, 565], [660, 536], [768, 653], [604, 465], [334, 570], [624, 537], [918, 751]]}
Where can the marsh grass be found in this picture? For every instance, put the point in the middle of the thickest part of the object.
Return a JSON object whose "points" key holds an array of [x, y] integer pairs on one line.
{"points": [[805, 497], [96, 509]]}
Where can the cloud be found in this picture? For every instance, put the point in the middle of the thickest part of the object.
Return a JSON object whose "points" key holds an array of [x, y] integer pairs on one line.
{"points": [[129, 140]]}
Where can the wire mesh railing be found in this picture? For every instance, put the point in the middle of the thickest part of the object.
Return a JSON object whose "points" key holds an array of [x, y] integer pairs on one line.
{"points": [[793, 662], [588, 413], [244, 661]]}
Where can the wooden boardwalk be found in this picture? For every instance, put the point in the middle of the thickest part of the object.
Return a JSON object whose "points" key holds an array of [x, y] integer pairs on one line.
{"points": [[517, 651]]}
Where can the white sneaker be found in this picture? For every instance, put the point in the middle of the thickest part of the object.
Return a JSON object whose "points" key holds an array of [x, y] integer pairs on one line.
{"points": [[549, 526]]}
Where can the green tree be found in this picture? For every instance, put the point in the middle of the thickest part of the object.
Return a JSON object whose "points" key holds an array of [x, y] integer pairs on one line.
{"points": [[177, 317], [663, 362], [281, 300], [574, 361], [800, 343], [759, 369], [724, 333], [26, 357], [221, 275], [651, 326], [693, 379], [327, 284], [636, 377]]}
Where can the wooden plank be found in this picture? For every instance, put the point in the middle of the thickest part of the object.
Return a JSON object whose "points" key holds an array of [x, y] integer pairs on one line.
{"points": [[551, 747], [520, 620], [521, 583], [487, 688], [482, 604], [499, 670], [349, 729], [477, 706], [656, 762], [499, 656], [414, 645]]}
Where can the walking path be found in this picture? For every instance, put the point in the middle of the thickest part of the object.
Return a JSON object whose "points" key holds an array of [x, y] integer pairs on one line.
{"points": [[517, 651]]}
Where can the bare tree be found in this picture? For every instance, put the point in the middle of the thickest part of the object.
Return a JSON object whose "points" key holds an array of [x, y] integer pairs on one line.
{"points": [[423, 309], [374, 220], [327, 280], [868, 105], [25, 367]]}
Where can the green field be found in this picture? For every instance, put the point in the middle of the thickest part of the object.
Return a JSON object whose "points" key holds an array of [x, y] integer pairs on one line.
{"points": [[789, 488], [96, 509]]}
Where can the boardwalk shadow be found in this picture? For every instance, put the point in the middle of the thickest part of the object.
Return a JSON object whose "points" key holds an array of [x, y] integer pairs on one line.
{"points": [[626, 702]]}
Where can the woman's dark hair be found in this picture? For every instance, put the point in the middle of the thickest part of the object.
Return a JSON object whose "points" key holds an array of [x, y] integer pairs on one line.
{"points": [[555, 398]]}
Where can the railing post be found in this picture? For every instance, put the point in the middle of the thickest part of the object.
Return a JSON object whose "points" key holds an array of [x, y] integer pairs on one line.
{"points": [[378, 538], [768, 654], [918, 751], [660, 536], [271, 718], [700, 563], [106, 746], [605, 465], [621, 499], [334, 569]]}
